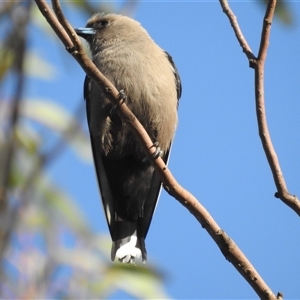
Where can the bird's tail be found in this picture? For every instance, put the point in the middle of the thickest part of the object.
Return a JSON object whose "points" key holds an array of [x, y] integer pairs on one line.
{"points": [[128, 249]]}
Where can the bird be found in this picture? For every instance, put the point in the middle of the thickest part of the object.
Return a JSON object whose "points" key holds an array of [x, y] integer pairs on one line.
{"points": [[129, 186]]}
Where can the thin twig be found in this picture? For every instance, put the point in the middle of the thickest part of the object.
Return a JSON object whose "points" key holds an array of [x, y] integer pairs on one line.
{"points": [[227, 246], [238, 32], [66, 25], [266, 30], [282, 190], [56, 26], [258, 65]]}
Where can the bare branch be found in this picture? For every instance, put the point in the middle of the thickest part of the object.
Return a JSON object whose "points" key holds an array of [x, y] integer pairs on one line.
{"points": [[54, 23], [266, 30], [282, 191], [227, 246], [238, 33], [258, 65], [66, 25], [229, 249]]}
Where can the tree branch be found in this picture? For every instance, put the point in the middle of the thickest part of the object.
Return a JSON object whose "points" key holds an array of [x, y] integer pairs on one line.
{"points": [[229, 249], [238, 33], [258, 64], [282, 191]]}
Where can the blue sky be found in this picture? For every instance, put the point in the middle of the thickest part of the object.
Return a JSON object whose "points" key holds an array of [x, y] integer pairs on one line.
{"points": [[216, 154]]}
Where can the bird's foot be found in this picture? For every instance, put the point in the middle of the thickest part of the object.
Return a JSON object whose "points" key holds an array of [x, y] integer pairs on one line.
{"points": [[121, 99], [158, 152]]}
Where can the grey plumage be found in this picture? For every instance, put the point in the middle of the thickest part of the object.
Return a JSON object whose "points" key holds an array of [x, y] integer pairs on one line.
{"points": [[129, 58]]}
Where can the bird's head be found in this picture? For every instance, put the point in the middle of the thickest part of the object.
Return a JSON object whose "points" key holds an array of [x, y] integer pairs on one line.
{"points": [[106, 30]]}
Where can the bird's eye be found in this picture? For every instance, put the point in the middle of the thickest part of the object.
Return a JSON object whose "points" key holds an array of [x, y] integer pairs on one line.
{"points": [[103, 23]]}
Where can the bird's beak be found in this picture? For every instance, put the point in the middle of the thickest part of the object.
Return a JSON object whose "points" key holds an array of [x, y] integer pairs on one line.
{"points": [[85, 32]]}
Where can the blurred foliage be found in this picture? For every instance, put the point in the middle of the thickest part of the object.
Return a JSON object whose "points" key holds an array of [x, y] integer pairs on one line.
{"points": [[47, 248]]}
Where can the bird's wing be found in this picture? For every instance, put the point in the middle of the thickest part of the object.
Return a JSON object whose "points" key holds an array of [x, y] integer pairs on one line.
{"points": [[152, 200], [106, 194], [176, 76]]}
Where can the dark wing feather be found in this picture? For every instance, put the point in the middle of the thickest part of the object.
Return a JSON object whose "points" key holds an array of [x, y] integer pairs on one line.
{"points": [[176, 75], [106, 195], [151, 202]]}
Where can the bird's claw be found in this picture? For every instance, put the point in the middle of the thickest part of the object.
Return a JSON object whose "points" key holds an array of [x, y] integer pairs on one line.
{"points": [[121, 99], [155, 154]]}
